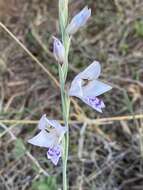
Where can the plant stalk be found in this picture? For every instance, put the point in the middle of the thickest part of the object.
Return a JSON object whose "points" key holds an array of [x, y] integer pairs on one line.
{"points": [[63, 71]]}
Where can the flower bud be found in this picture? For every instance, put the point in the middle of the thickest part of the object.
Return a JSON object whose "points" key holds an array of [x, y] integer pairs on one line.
{"points": [[79, 20], [58, 50]]}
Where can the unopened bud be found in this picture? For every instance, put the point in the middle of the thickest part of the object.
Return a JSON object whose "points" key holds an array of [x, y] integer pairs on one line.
{"points": [[79, 20], [58, 50]]}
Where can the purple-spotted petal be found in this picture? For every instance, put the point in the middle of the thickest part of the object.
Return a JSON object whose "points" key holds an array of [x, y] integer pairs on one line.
{"points": [[95, 103], [58, 50], [54, 154], [79, 20]]}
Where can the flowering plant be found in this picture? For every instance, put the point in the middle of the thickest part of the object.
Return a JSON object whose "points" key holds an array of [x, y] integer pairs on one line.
{"points": [[85, 86]]}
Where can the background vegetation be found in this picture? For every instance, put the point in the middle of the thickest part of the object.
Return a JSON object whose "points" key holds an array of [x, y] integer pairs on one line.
{"points": [[105, 154]]}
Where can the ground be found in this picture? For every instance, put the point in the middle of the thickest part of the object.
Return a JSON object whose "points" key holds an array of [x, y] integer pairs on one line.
{"points": [[104, 154]]}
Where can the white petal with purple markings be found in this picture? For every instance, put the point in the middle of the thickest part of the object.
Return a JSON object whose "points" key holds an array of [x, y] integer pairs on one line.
{"points": [[54, 154], [49, 137], [86, 86], [95, 103]]}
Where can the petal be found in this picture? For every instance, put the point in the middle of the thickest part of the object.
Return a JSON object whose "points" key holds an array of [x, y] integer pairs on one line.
{"points": [[58, 50], [43, 122], [55, 124], [95, 88], [91, 72], [54, 154], [79, 20], [95, 103], [60, 130], [43, 139], [57, 129], [76, 87]]}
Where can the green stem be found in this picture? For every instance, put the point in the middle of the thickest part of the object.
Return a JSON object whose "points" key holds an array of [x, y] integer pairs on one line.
{"points": [[65, 157], [65, 110], [63, 71]]}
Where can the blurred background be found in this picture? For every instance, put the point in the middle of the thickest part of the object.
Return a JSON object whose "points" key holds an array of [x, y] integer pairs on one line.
{"points": [[105, 154]]}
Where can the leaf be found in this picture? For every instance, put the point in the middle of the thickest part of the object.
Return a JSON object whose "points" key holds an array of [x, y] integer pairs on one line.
{"points": [[139, 28], [47, 183], [19, 149]]}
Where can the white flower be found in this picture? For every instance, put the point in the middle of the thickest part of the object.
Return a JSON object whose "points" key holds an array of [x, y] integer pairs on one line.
{"points": [[50, 136], [79, 20], [86, 86]]}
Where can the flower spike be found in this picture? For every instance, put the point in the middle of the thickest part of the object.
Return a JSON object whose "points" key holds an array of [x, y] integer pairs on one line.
{"points": [[86, 86], [58, 50], [79, 20]]}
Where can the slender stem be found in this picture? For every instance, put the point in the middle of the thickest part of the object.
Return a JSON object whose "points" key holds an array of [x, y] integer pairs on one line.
{"points": [[63, 70], [65, 110]]}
